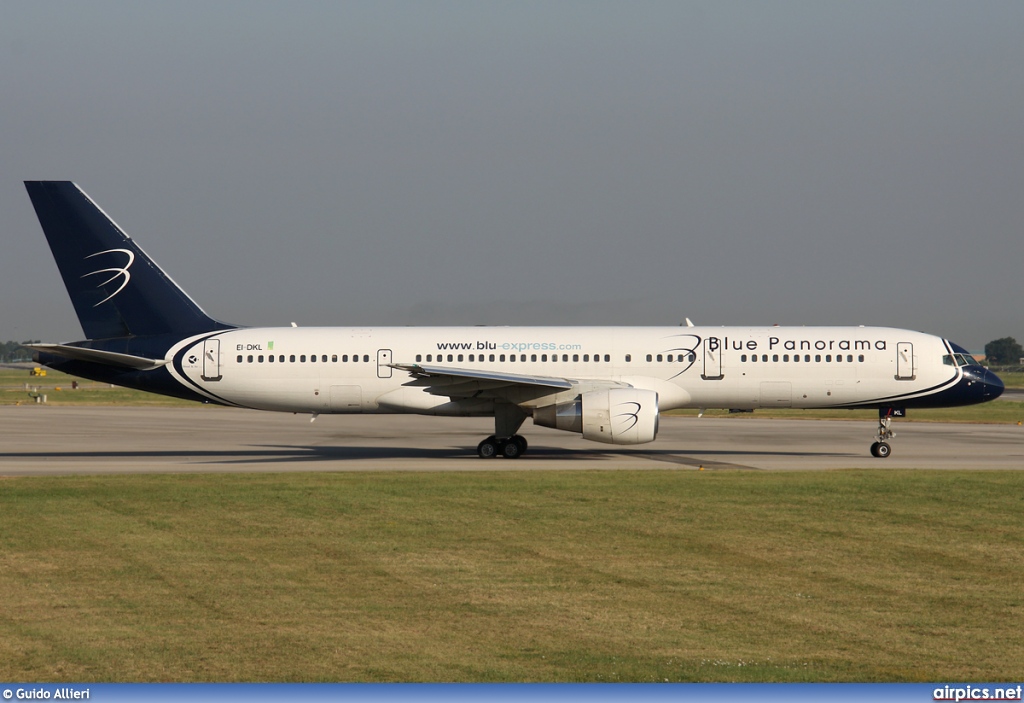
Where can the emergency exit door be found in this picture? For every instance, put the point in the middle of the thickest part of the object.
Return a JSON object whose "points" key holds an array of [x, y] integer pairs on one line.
{"points": [[384, 363]]}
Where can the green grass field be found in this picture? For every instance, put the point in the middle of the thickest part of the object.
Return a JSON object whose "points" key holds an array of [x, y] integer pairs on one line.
{"points": [[18, 387], [514, 576]]}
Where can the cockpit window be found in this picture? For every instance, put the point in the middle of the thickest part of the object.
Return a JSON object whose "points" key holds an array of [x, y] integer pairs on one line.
{"points": [[959, 360]]}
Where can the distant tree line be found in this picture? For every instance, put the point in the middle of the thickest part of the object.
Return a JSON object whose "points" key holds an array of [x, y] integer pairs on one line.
{"points": [[14, 351], [1004, 352]]}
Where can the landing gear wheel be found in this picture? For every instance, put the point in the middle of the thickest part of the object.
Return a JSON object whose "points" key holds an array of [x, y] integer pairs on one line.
{"points": [[488, 449], [881, 448], [521, 441], [511, 449]]}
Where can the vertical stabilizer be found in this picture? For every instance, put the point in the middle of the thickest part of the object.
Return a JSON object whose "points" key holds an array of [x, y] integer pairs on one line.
{"points": [[117, 290]]}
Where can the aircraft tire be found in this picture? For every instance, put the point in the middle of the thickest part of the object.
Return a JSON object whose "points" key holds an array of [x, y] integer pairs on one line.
{"points": [[521, 441], [488, 449], [511, 449], [883, 450]]}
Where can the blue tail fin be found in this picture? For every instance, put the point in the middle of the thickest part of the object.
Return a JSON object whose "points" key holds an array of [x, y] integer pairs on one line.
{"points": [[117, 290]]}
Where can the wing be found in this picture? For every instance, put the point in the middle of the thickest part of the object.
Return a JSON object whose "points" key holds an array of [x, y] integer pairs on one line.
{"points": [[476, 383]]}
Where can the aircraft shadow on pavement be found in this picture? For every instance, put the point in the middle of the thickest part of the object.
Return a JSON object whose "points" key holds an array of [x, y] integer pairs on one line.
{"points": [[283, 454]]}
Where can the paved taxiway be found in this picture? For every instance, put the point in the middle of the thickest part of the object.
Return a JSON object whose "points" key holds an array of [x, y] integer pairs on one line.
{"points": [[40, 440]]}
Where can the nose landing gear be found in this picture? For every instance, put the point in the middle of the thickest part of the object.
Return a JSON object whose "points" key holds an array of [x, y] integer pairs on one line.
{"points": [[881, 448]]}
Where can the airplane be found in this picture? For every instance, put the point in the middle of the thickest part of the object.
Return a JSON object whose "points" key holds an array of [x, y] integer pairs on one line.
{"points": [[608, 384]]}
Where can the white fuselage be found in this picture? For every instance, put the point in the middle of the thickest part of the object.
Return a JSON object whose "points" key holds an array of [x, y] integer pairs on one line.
{"points": [[346, 370]]}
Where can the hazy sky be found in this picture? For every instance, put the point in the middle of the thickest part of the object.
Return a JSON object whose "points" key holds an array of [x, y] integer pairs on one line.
{"points": [[435, 163]]}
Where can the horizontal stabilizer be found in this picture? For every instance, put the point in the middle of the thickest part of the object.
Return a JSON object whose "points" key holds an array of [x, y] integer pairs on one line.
{"points": [[97, 356]]}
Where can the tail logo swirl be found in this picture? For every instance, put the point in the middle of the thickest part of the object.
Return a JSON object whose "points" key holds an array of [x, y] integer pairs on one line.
{"points": [[117, 272]]}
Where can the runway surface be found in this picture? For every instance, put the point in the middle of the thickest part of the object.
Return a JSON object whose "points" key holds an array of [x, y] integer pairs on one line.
{"points": [[40, 440]]}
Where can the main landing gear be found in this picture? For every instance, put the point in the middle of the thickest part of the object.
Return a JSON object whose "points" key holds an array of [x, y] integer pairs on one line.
{"points": [[508, 418], [881, 448], [510, 447]]}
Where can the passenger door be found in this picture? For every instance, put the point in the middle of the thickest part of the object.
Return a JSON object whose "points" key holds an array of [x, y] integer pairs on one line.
{"points": [[712, 359], [211, 360], [905, 361]]}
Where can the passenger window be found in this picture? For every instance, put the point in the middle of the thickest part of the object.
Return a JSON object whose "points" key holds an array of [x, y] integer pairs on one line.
{"points": [[629, 358], [324, 358], [533, 357], [292, 358], [743, 357], [492, 357], [512, 357], [764, 358], [334, 358], [575, 357], [250, 359], [565, 357], [312, 358], [543, 357], [785, 357], [775, 357], [460, 357], [419, 358], [259, 358], [668, 358], [807, 358], [817, 357], [355, 358], [501, 357], [861, 358], [659, 357], [366, 357], [753, 357], [471, 357], [586, 357], [271, 358], [239, 358]]}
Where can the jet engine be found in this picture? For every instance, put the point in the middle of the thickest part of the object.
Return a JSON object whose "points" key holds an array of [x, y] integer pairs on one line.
{"points": [[614, 416]]}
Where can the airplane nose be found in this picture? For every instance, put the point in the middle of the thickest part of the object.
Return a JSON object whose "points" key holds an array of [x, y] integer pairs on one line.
{"points": [[994, 385]]}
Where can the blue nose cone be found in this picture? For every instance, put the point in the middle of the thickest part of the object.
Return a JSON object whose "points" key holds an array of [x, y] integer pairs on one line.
{"points": [[994, 386], [979, 384]]}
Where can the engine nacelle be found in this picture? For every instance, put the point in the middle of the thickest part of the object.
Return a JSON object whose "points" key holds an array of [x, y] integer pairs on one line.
{"points": [[615, 416]]}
